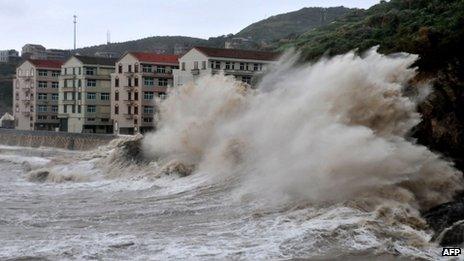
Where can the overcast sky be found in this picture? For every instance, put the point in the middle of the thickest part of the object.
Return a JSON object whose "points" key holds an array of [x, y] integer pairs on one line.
{"points": [[49, 22]]}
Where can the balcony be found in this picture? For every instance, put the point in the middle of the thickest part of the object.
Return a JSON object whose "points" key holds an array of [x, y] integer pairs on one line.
{"points": [[97, 77], [68, 76], [68, 89], [68, 102], [131, 102], [129, 116]]}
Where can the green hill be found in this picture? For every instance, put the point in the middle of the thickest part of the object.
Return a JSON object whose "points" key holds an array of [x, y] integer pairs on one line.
{"points": [[150, 44], [434, 29], [291, 24]]}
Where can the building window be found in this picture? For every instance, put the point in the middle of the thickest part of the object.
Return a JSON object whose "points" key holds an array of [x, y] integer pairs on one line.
{"points": [[242, 66], [91, 83], [146, 68], [79, 71], [79, 96], [162, 82], [53, 117], [136, 96], [129, 109], [116, 96], [136, 68], [147, 119], [74, 71], [42, 73], [129, 96], [162, 95], [120, 68], [255, 67], [136, 110], [42, 108], [148, 81], [136, 82], [116, 82], [79, 108], [17, 96], [227, 65], [54, 108], [148, 95], [42, 117], [105, 96], [79, 83], [65, 108], [55, 96], [55, 73], [129, 68], [91, 96], [55, 85], [203, 65], [246, 79], [183, 66], [129, 81], [42, 84], [116, 110], [73, 109], [90, 70], [195, 65], [91, 108], [148, 109], [42, 96], [161, 69]]}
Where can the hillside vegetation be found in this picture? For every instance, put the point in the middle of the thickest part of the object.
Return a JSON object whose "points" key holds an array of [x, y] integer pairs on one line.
{"points": [[434, 29], [291, 24], [150, 44]]}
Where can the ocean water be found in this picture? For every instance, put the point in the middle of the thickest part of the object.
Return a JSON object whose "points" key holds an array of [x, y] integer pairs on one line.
{"points": [[317, 162], [174, 217]]}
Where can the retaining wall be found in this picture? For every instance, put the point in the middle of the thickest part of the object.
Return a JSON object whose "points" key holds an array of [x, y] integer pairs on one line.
{"points": [[64, 140]]}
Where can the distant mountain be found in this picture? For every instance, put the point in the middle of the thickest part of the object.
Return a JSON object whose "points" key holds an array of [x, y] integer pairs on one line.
{"points": [[291, 24], [259, 34], [150, 44]]}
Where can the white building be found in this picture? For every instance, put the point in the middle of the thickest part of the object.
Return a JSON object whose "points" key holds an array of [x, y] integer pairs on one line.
{"points": [[245, 65]]}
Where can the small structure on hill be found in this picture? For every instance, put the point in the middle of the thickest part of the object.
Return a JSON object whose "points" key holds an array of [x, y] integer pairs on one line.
{"points": [[7, 121]]}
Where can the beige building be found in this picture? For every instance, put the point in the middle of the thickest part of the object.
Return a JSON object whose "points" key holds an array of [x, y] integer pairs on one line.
{"points": [[245, 65], [35, 95], [84, 95], [138, 80]]}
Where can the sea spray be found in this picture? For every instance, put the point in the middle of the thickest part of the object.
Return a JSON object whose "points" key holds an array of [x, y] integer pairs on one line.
{"points": [[329, 131]]}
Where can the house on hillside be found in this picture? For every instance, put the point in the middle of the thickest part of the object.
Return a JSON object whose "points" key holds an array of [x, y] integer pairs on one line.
{"points": [[244, 65]]}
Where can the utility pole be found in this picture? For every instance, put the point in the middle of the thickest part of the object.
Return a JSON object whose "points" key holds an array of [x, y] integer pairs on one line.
{"points": [[75, 28]]}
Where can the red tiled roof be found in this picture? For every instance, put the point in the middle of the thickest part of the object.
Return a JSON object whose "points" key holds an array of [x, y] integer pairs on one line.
{"points": [[238, 54], [156, 58], [46, 63]]}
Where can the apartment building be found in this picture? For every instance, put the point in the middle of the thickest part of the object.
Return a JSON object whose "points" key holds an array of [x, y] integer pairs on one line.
{"points": [[7, 56], [138, 80], [36, 51], [35, 95], [244, 65], [84, 94]]}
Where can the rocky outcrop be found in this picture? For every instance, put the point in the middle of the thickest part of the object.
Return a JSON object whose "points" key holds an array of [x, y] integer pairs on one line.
{"points": [[447, 220]]}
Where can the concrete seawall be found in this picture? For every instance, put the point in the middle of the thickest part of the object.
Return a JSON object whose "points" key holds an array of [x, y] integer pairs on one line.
{"points": [[63, 140]]}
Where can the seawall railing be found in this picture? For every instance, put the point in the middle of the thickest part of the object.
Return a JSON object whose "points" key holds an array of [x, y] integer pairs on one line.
{"points": [[64, 140]]}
